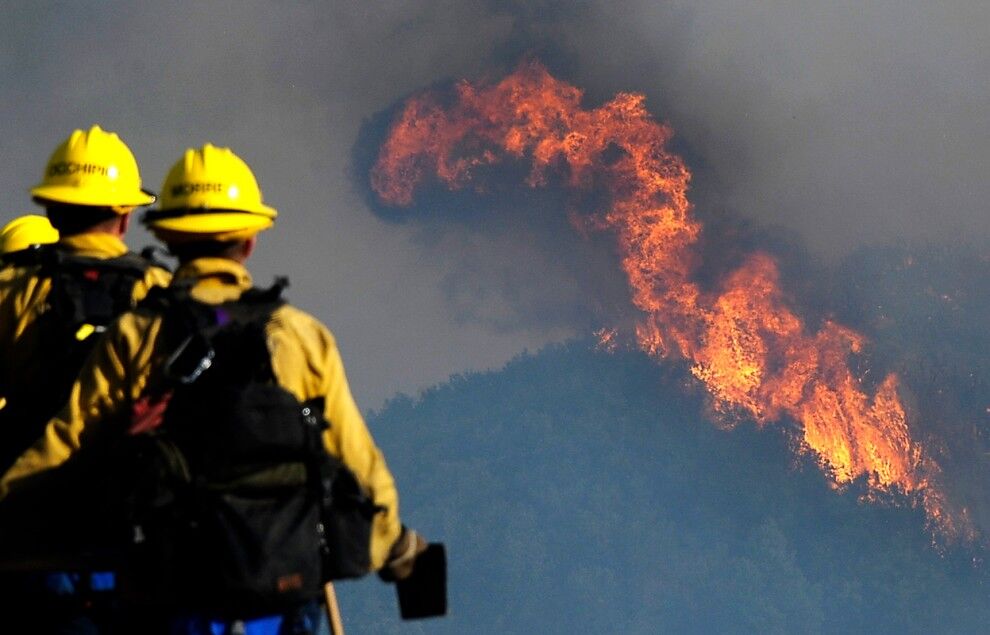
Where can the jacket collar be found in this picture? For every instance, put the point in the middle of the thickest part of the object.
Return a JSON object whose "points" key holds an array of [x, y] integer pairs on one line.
{"points": [[215, 272], [94, 245]]}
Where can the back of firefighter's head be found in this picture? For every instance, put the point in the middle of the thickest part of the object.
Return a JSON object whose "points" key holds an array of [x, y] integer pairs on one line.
{"points": [[210, 205], [91, 183]]}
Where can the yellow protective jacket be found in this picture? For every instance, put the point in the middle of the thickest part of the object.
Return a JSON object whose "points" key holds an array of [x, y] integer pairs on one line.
{"points": [[23, 295], [305, 361]]}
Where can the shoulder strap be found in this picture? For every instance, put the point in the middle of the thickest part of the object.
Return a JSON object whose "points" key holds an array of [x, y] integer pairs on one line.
{"points": [[155, 256], [255, 305], [162, 299], [271, 295], [32, 256], [190, 327], [88, 290], [130, 263]]}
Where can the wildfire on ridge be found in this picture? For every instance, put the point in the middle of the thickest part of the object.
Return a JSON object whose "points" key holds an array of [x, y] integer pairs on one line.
{"points": [[753, 354], [606, 340]]}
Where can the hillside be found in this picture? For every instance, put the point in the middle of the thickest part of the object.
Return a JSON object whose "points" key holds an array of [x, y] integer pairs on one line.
{"points": [[579, 491]]}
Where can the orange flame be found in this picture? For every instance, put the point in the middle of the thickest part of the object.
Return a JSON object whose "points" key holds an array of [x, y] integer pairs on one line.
{"points": [[606, 340], [753, 354]]}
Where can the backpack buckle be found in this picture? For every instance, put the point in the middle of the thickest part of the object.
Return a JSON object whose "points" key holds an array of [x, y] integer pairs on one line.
{"points": [[87, 329], [191, 358]]}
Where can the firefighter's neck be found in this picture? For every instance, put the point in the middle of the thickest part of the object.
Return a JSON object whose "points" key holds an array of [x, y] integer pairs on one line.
{"points": [[244, 251], [239, 251], [116, 226]]}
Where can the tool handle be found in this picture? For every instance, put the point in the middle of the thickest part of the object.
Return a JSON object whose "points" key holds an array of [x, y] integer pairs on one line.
{"points": [[333, 610]]}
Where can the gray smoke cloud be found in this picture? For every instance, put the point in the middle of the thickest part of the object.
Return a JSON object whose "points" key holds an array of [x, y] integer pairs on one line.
{"points": [[843, 124]]}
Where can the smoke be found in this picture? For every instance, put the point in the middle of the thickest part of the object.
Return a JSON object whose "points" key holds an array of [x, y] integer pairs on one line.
{"points": [[849, 123], [852, 123], [511, 257], [817, 128]]}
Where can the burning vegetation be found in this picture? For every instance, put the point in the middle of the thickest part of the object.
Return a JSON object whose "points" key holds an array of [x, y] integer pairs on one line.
{"points": [[750, 350]]}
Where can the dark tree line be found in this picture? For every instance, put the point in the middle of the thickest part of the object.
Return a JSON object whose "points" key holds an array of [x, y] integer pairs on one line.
{"points": [[584, 492]]}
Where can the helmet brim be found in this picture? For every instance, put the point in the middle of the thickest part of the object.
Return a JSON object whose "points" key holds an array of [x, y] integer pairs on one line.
{"points": [[70, 195], [206, 224]]}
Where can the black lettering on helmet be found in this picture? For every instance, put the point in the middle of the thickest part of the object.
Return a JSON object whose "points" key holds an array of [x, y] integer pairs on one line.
{"points": [[63, 168], [185, 189]]}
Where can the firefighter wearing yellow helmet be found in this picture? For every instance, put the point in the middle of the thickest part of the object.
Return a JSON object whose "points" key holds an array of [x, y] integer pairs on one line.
{"points": [[212, 193], [209, 214], [88, 189], [23, 233], [56, 300]]}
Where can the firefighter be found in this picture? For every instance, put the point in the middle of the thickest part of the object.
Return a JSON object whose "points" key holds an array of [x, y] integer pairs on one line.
{"points": [[90, 187], [54, 301], [25, 233], [209, 215], [17, 239]]}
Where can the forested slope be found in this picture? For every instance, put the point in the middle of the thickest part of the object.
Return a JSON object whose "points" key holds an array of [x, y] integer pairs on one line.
{"points": [[581, 491]]}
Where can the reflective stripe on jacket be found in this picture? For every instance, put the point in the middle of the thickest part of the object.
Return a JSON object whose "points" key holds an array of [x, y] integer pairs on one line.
{"points": [[305, 361]]}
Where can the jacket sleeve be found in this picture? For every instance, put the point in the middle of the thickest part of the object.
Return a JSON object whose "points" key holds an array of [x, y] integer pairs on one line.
{"points": [[349, 437], [98, 394], [307, 362]]}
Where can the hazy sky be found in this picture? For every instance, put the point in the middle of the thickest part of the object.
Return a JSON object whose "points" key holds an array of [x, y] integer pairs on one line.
{"points": [[846, 123]]}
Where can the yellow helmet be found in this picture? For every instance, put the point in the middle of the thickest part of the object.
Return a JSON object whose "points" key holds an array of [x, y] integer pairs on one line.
{"points": [[25, 231], [209, 193], [93, 167]]}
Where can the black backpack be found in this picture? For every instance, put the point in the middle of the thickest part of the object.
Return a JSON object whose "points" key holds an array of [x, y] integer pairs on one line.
{"points": [[86, 295], [233, 505]]}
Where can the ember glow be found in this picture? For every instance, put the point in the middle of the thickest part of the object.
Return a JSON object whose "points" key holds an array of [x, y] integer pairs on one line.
{"points": [[753, 353]]}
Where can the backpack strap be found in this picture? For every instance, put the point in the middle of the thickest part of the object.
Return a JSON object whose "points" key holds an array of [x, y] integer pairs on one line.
{"points": [[156, 256], [88, 293], [190, 326], [30, 257], [55, 259], [260, 297], [162, 300]]}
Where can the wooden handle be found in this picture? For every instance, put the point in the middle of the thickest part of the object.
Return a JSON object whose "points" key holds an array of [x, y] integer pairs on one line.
{"points": [[333, 610]]}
